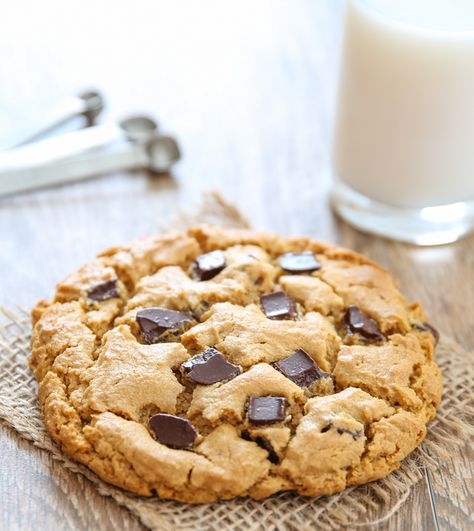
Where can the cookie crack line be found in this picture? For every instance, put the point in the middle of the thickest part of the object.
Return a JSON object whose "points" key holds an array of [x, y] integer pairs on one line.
{"points": [[369, 391], [129, 464], [103, 369]]}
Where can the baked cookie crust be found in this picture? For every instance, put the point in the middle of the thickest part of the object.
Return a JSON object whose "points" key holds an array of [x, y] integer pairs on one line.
{"points": [[219, 363]]}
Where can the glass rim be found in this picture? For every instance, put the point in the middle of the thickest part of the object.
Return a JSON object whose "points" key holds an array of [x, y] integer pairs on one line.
{"points": [[378, 12]]}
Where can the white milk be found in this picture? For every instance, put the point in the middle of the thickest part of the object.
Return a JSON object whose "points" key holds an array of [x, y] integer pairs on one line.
{"points": [[404, 131]]}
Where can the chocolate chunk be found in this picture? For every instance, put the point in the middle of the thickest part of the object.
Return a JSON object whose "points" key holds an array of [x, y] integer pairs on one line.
{"points": [[104, 290], [173, 431], [300, 368], [299, 262], [359, 323], [426, 327], [209, 367], [278, 305], [154, 321], [208, 265], [267, 409]]}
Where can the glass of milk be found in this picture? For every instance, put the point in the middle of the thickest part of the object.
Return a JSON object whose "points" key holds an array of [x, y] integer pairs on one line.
{"points": [[403, 150]]}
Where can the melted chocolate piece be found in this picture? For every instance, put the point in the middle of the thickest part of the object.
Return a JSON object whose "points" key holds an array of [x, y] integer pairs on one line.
{"points": [[173, 431], [263, 443], [208, 265], [266, 409], [426, 327], [209, 367], [104, 291], [358, 322], [266, 445], [154, 321], [355, 434], [300, 368], [278, 305], [299, 262]]}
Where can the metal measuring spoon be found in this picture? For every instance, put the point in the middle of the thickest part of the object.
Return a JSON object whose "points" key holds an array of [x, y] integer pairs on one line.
{"points": [[88, 104], [134, 143]]}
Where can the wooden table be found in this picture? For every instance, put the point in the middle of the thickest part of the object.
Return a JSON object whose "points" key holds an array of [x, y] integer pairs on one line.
{"points": [[248, 88]]}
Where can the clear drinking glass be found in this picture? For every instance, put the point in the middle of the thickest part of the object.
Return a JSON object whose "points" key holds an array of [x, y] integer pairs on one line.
{"points": [[403, 149]]}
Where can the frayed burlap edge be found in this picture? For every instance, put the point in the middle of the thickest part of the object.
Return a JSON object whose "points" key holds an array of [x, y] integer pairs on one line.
{"points": [[452, 426]]}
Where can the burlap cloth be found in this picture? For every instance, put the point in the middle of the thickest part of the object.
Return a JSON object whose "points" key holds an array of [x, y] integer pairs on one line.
{"points": [[19, 409]]}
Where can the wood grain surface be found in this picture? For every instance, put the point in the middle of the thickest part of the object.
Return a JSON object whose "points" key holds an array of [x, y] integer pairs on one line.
{"points": [[248, 87]]}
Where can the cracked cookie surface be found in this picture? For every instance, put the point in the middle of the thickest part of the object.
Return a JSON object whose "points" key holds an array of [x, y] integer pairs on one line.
{"points": [[219, 363]]}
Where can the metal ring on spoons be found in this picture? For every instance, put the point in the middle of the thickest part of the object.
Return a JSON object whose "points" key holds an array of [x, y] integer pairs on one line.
{"points": [[163, 151]]}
